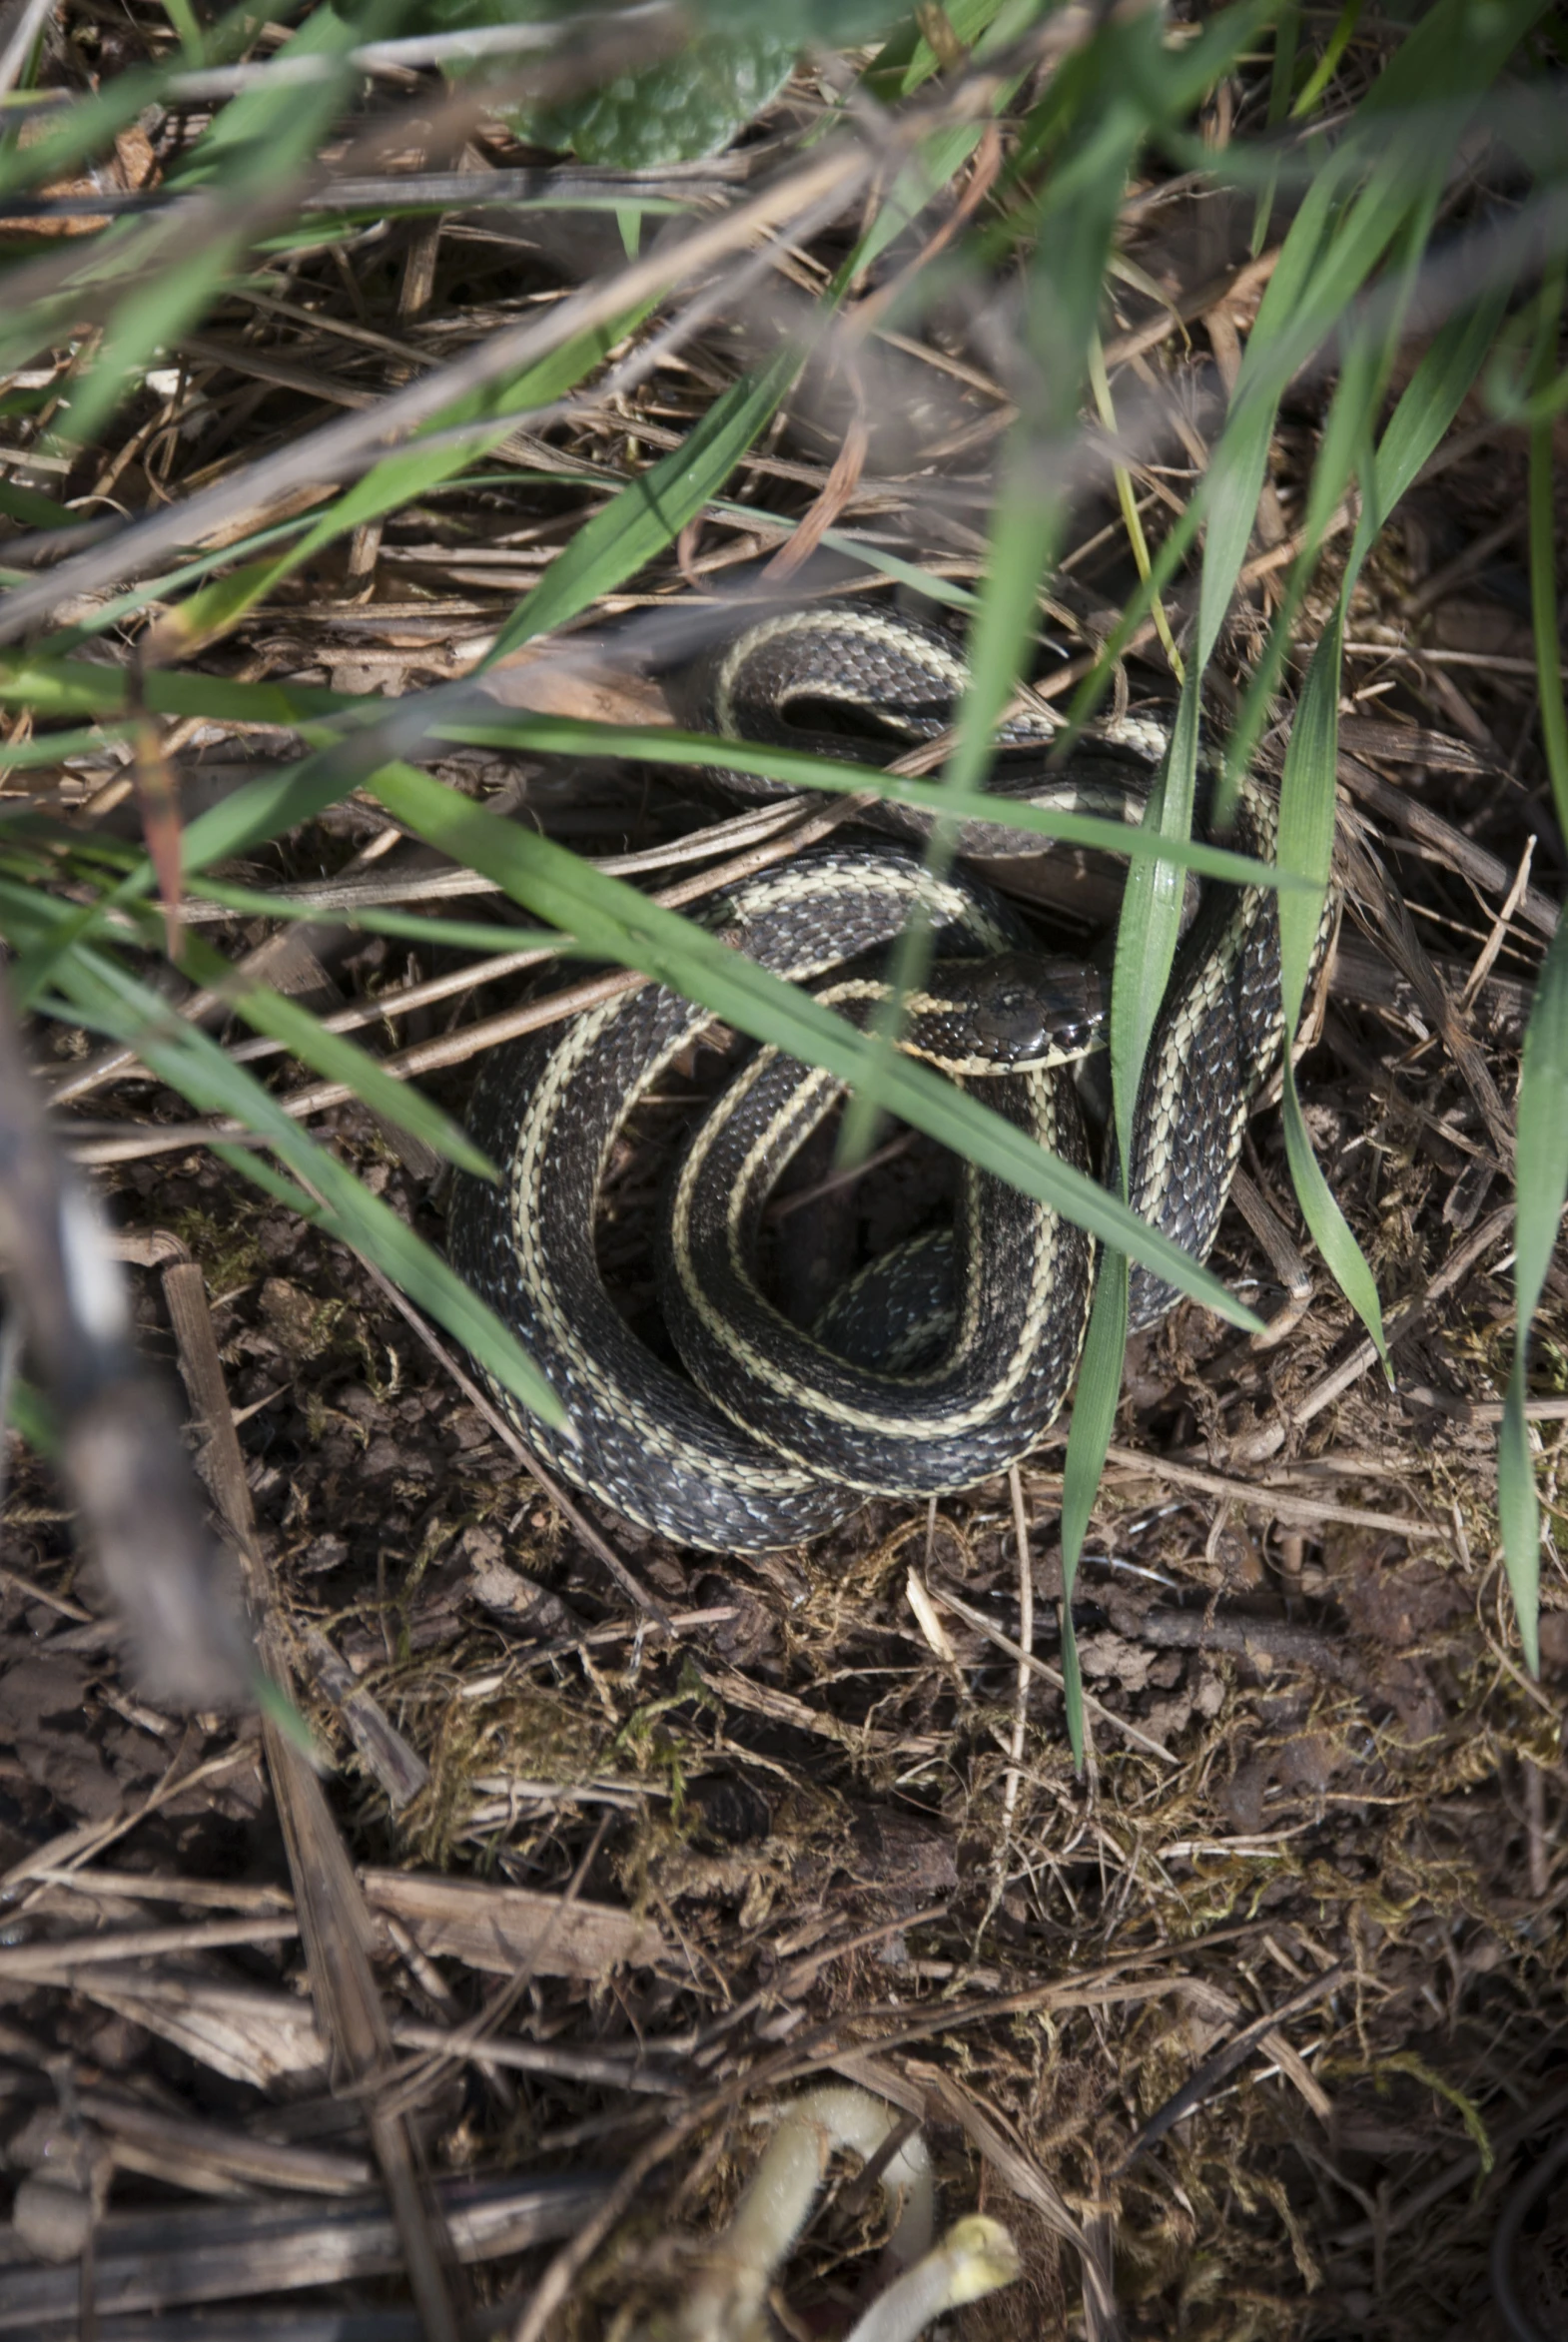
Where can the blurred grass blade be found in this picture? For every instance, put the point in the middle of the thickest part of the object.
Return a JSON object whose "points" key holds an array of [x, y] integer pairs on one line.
{"points": [[253, 143], [462, 934], [1287, 32], [56, 687], [1543, 608], [939, 161], [63, 140], [264, 809], [1076, 221]]}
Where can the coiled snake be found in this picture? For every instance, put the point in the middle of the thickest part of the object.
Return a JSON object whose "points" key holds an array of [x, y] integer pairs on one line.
{"points": [[780, 1433]]}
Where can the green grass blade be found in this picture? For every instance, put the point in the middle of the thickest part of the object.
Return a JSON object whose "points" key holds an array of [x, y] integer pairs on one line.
{"points": [[940, 160], [58, 687], [405, 478], [1003, 625], [89, 124], [950, 799], [1307, 791], [458, 934], [1150, 919], [1095, 1403], [1331, 1233], [1077, 222], [650, 512], [1288, 31], [1519, 1514], [1306, 832], [1543, 612], [1541, 1184], [1306, 817], [332, 1056], [1240, 457], [1328, 64], [1432, 399], [251, 143], [608, 919], [108, 999], [265, 809], [906, 60], [1541, 1139]]}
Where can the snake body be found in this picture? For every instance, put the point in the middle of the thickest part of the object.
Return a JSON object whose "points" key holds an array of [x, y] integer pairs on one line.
{"points": [[778, 1434]]}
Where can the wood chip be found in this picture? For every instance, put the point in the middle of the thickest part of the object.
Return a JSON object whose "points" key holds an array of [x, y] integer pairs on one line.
{"points": [[503, 1927]]}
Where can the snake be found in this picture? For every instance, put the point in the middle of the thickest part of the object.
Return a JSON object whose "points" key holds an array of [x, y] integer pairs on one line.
{"points": [[948, 1361]]}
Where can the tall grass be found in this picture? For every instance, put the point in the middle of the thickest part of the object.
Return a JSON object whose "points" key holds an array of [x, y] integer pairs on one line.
{"points": [[1406, 183]]}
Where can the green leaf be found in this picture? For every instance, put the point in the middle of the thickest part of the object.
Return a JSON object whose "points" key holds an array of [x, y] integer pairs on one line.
{"points": [[80, 687], [53, 747], [1306, 830], [1543, 612], [28, 1411], [34, 511], [1307, 795], [1519, 1516], [89, 124], [1240, 459], [1309, 786], [1432, 399], [684, 107], [937, 160], [1077, 221], [906, 61]]}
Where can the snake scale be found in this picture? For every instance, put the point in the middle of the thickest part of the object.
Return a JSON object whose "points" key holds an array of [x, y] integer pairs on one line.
{"points": [[776, 1433]]}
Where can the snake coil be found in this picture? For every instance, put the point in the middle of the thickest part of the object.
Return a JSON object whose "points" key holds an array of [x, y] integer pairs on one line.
{"points": [[778, 1434]]}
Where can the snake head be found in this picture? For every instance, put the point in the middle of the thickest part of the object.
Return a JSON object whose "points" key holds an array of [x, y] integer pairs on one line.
{"points": [[1034, 1010]]}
